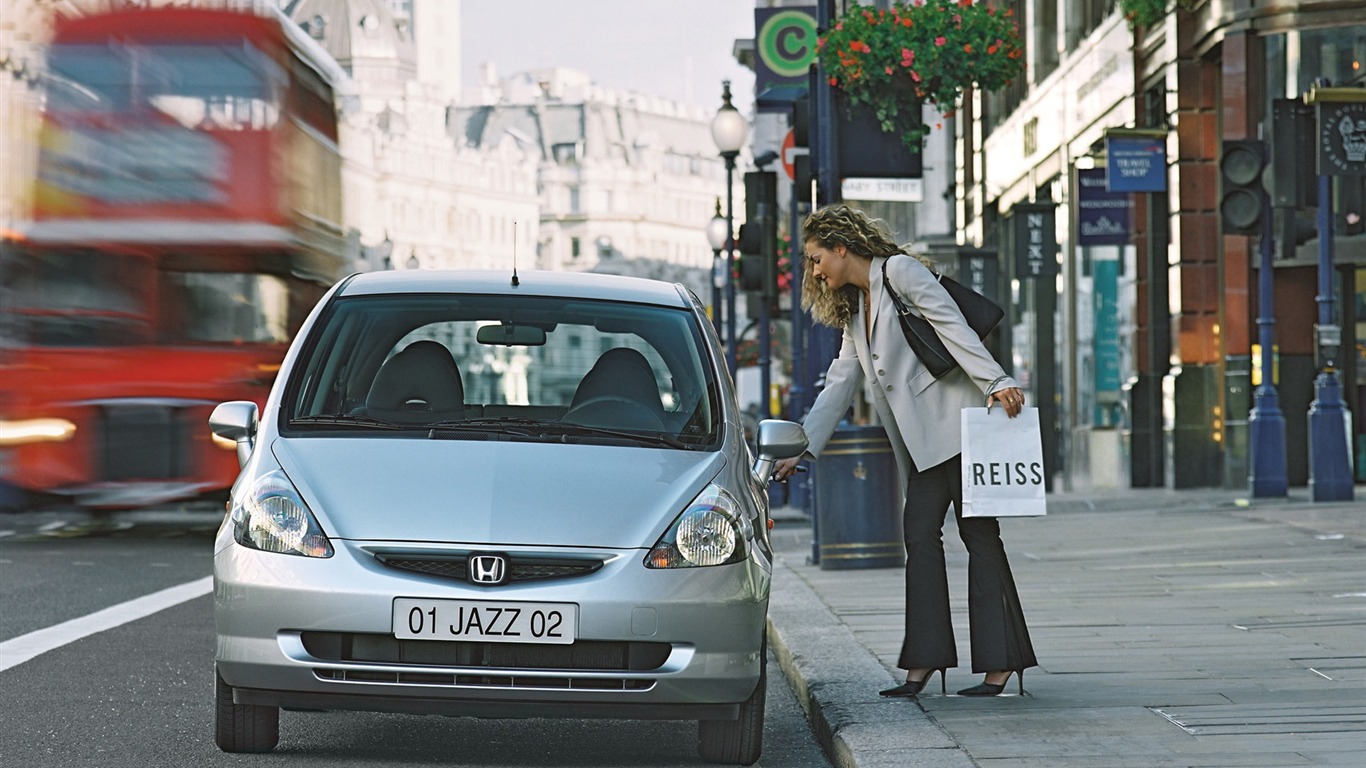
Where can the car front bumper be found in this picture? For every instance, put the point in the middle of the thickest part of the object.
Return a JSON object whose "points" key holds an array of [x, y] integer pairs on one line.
{"points": [[313, 633]]}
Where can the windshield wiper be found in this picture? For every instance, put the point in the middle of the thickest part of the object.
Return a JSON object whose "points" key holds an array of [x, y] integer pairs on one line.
{"points": [[345, 420], [521, 425], [649, 437], [498, 421]]}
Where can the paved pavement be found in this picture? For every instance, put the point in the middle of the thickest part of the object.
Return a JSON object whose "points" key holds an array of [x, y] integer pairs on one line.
{"points": [[1173, 628]]}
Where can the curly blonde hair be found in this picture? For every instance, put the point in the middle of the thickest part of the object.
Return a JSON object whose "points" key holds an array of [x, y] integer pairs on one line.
{"points": [[863, 236]]}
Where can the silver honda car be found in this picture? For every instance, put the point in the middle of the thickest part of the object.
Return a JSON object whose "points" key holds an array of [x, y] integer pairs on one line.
{"points": [[492, 495]]}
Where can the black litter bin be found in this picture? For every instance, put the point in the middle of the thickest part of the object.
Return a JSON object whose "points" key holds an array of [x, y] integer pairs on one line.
{"points": [[858, 509]]}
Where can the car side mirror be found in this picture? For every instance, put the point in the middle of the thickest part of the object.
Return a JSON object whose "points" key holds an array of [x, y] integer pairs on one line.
{"points": [[236, 421], [777, 439]]}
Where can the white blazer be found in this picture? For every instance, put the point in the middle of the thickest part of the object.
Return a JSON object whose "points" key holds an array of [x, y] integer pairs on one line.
{"points": [[919, 412]]}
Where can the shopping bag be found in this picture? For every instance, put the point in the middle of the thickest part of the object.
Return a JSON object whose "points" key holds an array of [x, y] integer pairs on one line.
{"points": [[1003, 474]]}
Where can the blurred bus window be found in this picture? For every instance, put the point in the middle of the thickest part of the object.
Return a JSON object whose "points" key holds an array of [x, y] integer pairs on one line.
{"points": [[213, 87], [228, 307]]}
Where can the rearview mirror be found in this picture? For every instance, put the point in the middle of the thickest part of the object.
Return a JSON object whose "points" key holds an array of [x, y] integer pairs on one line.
{"points": [[511, 335]]}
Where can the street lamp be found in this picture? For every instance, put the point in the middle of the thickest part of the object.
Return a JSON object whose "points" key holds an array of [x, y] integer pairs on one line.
{"points": [[728, 130], [717, 231]]}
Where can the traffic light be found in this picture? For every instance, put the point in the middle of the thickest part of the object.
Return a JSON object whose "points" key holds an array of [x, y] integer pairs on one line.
{"points": [[1242, 198], [759, 234], [1292, 178]]}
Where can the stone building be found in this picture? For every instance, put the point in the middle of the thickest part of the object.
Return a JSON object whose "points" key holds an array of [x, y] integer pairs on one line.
{"points": [[414, 196], [627, 181]]}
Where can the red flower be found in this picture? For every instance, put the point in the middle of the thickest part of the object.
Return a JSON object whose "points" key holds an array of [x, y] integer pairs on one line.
{"points": [[939, 41]]}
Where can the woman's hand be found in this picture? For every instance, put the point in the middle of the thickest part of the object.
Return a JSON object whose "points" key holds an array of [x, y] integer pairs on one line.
{"points": [[1012, 398], [783, 468]]}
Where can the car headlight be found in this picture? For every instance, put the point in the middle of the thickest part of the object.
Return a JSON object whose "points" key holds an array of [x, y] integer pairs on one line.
{"points": [[711, 531], [271, 516]]}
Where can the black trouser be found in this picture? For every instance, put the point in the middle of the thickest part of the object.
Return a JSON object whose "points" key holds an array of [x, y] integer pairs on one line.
{"points": [[1000, 639]]}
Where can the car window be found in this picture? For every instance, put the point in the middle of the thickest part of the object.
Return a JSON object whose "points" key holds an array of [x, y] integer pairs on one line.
{"points": [[423, 360]]}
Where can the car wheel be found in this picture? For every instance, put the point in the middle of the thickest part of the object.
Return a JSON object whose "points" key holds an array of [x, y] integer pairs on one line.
{"points": [[738, 741], [243, 727]]}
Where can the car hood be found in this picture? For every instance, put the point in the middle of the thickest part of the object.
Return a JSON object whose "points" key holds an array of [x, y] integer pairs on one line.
{"points": [[494, 493]]}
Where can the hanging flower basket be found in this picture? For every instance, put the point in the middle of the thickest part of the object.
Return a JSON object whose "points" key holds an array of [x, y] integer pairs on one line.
{"points": [[1147, 13], [929, 51]]}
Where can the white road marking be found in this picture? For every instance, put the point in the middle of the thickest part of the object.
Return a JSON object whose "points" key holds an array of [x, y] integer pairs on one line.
{"points": [[52, 526], [18, 650]]}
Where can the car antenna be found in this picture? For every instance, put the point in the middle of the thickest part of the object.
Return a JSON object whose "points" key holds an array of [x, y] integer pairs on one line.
{"points": [[515, 281]]}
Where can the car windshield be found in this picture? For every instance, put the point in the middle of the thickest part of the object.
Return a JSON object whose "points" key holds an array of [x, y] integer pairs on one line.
{"points": [[505, 367]]}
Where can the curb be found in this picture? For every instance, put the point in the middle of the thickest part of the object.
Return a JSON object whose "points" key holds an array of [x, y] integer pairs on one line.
{"points": [[836, 681]]}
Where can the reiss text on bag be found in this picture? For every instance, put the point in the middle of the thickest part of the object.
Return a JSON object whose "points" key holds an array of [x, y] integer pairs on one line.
{"points": [[1003, 472]]}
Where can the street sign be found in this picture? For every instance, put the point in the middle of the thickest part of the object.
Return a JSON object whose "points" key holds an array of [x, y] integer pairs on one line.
{"points": [[785, 44], [1135, 160], [1342, 138], [883, 190], [789, 152], [1102, 216]]}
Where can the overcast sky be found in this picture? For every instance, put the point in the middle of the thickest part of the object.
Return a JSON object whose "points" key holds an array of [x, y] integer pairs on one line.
{"points": [[676, 49]]}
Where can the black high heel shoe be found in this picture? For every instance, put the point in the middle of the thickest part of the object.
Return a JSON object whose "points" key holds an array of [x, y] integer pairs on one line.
{"points": [[913, 687], [987, 689]]}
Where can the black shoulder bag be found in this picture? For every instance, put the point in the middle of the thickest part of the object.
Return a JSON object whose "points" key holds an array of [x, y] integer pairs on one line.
{"points": [[981, 314]]}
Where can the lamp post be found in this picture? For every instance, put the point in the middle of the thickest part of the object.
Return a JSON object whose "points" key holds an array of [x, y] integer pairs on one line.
{"points": [[1330, 473], [716, 237], [728, 130]]}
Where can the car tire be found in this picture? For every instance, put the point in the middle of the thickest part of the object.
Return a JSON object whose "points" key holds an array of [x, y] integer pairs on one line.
{"points": [[243, 727], [738, 741]]}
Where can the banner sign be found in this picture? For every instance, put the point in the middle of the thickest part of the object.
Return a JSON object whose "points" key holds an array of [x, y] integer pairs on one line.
{"points": [[980, 271], [784, 46], [1035, 243], [1342, 138], [1107, 341], [1135, 163], [1102, 216]]}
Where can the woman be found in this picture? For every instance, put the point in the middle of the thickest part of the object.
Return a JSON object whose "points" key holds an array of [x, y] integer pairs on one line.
{"points": [[848, 258]]}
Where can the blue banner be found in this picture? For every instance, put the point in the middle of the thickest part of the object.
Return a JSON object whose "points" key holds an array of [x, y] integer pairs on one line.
{"points": [[1136, 163], [1103, 217]]}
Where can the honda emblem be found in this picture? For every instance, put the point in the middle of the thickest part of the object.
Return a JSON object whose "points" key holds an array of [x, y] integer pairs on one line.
{"points": [[489, 570]]}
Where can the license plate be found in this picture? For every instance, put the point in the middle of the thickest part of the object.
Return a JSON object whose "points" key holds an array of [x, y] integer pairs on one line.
{"points": [[485, 621]]}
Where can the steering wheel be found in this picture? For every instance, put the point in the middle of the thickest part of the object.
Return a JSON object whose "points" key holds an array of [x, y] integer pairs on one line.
{"points": [[614, 411]]}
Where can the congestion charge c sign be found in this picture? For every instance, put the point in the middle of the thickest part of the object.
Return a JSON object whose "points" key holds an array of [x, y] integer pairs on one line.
{"points": [[787, 43]]}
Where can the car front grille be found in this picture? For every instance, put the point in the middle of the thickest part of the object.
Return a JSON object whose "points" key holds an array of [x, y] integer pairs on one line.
{"points": [[485, 681], [505, 661], [520, 568]]}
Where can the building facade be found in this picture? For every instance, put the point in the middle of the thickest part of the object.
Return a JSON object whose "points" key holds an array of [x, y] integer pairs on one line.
{"points": [[627, 182], [414, 196], [1146, 339]]}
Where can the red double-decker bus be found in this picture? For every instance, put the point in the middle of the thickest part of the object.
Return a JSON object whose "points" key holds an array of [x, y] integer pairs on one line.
{"points": [[186, 216]]}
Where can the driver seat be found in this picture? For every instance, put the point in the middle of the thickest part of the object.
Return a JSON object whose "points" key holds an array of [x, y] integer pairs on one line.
{"points": [[419, 384]]}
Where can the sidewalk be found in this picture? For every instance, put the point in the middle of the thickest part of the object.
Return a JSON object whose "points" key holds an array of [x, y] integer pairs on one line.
{"points": [[1173, 628]]}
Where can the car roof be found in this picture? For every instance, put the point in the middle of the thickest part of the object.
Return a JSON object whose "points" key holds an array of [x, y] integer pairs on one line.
{"points": [[529, 283]]}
